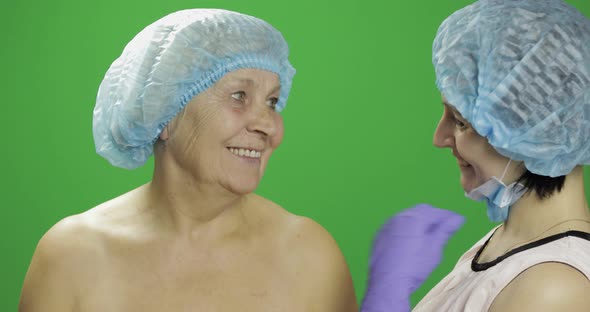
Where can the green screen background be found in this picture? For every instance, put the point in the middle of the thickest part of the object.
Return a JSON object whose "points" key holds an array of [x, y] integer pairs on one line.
{"points": [[358, 125]]}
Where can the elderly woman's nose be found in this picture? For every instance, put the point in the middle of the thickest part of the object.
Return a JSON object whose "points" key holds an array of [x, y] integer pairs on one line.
{"points": [[443, 135], [262, 120]]}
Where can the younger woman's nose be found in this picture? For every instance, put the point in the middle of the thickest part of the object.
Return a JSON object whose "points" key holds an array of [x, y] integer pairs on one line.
{"points": [[443, 135]]}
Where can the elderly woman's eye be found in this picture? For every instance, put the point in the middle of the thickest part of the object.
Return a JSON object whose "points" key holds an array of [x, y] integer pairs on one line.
{"points": [[240, 95], [272, 102]]}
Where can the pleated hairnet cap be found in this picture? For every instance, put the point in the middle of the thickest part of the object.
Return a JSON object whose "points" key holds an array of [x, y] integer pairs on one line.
{"points": [[167, 64], [519, 72]]}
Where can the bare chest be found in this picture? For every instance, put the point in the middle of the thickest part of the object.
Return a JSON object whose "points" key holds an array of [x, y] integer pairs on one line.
{"points": [[234, 281]]}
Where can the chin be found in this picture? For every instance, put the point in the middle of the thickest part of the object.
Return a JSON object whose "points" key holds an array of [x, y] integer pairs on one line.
{"points": [[465, 187], [243, 186], [469, 183], [466, 181]]}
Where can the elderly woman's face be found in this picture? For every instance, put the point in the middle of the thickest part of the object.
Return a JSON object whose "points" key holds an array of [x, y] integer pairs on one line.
{"points": [[228, 132], [478, 161]]}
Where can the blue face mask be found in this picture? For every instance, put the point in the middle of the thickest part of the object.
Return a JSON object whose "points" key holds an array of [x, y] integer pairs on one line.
{"points": [[499, 196]]}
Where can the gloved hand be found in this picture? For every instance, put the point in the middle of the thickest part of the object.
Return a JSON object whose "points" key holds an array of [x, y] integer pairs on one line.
{"points": [[406, 250]]}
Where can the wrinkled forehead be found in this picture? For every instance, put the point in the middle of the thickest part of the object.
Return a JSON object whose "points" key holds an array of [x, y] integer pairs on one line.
{"points": [[252, 76], [249, 78]]}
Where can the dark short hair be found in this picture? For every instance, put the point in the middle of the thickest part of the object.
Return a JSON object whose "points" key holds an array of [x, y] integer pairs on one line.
{"points": [[543, 186]]}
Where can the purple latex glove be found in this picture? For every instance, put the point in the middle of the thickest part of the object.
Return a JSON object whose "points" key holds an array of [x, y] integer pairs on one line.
{"points": [[406, 250]]}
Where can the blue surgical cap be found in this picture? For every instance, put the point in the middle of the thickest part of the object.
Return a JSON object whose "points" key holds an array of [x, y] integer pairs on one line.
{"points": [[167, 64], [519, 72]]}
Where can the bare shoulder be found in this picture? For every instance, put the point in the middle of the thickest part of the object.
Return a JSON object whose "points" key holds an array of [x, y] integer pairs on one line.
{"points": [[306, 234], [549, 286], [311, 249], [84, 234], [71, 236], [64, 258], [324, 266], [299, 233], [69, 258]]}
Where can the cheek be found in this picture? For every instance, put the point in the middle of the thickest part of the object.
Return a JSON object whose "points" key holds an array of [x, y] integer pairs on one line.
{"points": [[464, 148], [280, 132], [470, 145], [198, 129], [476, 150]]}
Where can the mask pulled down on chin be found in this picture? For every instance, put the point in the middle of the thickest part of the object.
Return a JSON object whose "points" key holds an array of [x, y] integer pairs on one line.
{"points": [[499, 197]]}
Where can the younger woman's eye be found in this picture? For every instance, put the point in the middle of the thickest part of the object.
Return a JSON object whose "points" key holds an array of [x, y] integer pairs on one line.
{"points": [[239, 96], [272, 103], [460, 124]]}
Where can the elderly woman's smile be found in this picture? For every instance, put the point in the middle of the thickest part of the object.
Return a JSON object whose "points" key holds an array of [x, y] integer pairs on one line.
{"points": [[245, 152]]}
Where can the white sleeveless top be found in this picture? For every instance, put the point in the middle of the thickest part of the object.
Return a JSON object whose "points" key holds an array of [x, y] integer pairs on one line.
{"points": [[473, 286]]}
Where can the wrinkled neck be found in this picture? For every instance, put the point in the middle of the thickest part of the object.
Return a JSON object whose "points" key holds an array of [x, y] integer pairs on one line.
{"points": [[188, 204]]}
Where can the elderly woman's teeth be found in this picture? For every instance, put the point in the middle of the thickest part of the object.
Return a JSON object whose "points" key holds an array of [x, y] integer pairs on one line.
{"points": [[245, 152]]}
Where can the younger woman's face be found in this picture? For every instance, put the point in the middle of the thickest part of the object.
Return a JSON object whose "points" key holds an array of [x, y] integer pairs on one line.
{"points": [[477, 160]]}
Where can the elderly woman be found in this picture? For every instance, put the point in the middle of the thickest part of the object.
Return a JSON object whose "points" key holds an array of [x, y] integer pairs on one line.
{"points": [[515, 81], [203, 91]]}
